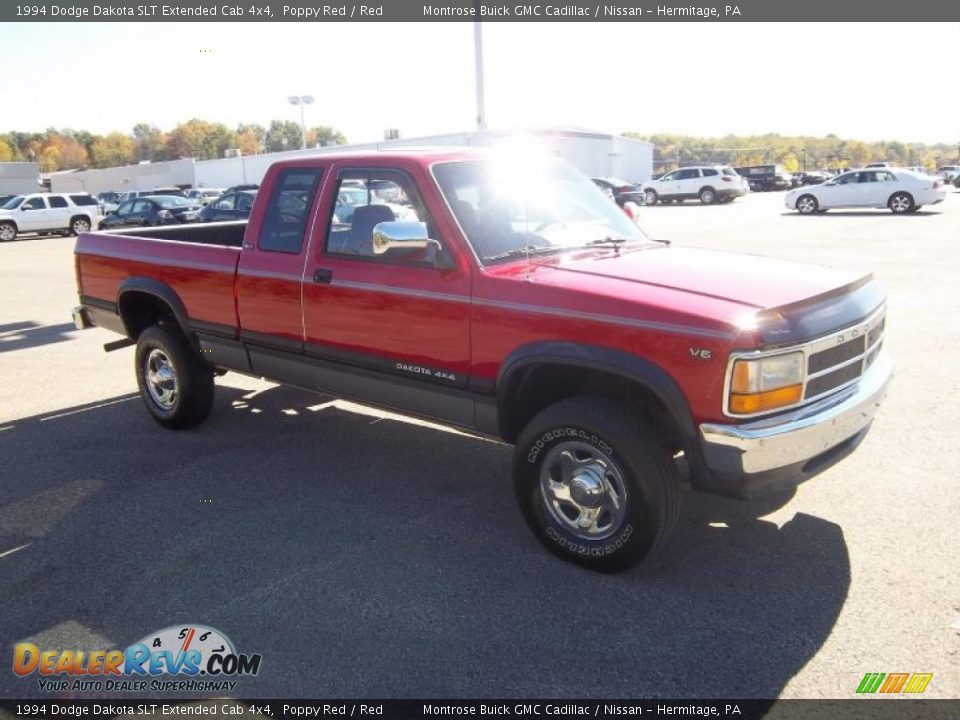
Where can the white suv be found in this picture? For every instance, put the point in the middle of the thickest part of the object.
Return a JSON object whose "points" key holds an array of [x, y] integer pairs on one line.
{"points": [[708, 183], [45, 212]]}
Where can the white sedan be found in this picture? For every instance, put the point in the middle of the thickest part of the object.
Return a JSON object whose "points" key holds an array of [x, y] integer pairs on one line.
{"points": [[898, 189]]}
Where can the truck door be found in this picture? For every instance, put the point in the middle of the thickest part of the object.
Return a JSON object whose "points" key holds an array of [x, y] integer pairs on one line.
{"points": [[270, 270], [400, 317]]}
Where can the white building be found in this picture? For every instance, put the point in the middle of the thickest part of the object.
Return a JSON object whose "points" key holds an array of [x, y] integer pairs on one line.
{"points": [[595, 154], [19, 178]]}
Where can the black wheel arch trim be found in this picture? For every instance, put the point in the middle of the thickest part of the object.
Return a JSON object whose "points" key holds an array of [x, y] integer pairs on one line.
{"points": [[616, 362], [162, 292]]}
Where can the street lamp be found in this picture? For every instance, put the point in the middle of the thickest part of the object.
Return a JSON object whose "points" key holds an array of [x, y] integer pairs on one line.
{"points": [[803, 151], [301, 100]]}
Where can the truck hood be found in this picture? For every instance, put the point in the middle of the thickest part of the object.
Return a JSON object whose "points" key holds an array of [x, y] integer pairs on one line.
{"points": [[788, 300]]}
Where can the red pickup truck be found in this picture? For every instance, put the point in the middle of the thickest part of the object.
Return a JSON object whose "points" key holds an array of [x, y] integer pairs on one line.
{"points": [[506, 295]]}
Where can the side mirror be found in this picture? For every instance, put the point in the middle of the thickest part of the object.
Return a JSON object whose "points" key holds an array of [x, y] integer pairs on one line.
{"points": [[24, 208], [409, 235], [401, 235]]}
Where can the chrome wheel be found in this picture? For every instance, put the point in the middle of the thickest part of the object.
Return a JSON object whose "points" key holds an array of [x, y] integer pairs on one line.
{"points": [[161, 379], [901, 203], [583, 490], [806, 205], [707, 197], [80, 226], [7, 232]]}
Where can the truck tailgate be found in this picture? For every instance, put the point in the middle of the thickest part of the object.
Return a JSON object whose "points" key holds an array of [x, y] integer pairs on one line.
{"points": [[201, 274]]}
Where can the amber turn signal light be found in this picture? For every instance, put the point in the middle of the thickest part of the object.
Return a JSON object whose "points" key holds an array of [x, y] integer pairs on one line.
{"points": [[747, 404]]}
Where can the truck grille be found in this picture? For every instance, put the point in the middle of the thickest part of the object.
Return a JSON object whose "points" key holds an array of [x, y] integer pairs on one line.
{"points": [[840, 359]]}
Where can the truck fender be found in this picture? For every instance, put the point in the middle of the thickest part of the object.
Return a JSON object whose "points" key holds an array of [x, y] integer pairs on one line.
{"points": [[159, 290], [615, 362]]}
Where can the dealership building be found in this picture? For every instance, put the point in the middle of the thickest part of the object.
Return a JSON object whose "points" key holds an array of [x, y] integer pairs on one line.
{"points": [[18, 178], [596, 154]]}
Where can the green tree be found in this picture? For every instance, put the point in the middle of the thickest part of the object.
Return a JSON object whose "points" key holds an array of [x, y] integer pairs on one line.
{"points": [[113, 150], [201, 139], [324, 135], [283, 135], [149, 143], [6, 151]]}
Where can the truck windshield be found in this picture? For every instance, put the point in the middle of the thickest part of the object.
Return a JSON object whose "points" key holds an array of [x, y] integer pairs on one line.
{"points": [[13, 203], [537, 204]]}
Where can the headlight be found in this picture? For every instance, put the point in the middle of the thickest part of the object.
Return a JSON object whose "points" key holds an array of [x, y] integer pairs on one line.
{"points": [[766, 383]]}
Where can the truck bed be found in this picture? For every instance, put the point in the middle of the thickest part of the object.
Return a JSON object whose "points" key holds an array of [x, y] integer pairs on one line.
{"points": [[197, 262]]}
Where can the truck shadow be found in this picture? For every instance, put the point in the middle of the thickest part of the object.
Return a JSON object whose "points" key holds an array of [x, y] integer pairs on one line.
{"points": [[373, 557], [27, 334]]}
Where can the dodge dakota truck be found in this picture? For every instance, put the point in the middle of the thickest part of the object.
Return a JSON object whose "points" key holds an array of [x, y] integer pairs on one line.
{"points": [[504, 294]]}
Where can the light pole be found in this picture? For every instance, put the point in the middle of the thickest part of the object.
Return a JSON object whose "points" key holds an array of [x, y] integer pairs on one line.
{"points": [[803, 151], [301, 100]]}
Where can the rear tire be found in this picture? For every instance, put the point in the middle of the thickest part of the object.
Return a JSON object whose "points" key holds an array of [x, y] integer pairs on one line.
{"points": [[708, 196], [80, 225], [596, 485], [8, 231], [175, 384]]}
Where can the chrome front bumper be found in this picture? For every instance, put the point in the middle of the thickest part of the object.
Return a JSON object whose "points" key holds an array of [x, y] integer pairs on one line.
{"points": [[789, 441]]}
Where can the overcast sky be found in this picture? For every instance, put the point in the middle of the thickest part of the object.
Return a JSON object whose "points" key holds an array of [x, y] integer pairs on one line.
{"points": [[865, 81]]}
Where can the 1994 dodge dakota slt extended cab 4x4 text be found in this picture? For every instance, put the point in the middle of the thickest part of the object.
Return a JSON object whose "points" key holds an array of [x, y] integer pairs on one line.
{"points": [[506, 295]]}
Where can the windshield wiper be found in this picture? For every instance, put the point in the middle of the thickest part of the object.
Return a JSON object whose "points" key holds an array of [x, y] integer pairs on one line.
{"points": [[614, 242], [523, 251]]}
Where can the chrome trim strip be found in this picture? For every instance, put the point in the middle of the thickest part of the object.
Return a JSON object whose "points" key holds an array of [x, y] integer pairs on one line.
{"points": [[795, 437], [609, 319], [269, 275], [825, 342]]}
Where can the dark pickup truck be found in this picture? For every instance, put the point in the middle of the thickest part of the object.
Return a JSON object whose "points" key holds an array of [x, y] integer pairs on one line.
{"points": [[508, 296]]}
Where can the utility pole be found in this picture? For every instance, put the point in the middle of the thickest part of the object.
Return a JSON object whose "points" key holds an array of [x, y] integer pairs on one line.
{"points": [[478, 72]]}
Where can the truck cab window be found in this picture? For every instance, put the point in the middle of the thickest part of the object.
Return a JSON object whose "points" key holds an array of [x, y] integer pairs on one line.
{"points": [[366, 198], [288, 209]]}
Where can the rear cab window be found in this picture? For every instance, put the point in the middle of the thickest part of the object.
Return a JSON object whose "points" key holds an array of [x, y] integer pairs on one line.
{"points": [[288, 210], [710, 172], [83, 200], [57, 202]]}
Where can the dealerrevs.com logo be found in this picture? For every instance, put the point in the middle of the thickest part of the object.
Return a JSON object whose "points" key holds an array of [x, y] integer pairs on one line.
{"points": [[181, 658]]}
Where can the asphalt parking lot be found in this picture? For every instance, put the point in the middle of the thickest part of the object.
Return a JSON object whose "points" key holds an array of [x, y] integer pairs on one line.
{"points": [[365, 555]]}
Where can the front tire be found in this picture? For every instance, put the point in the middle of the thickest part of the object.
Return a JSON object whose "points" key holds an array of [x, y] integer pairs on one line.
{"points": [[596, 485], [900, 203], [807, 205], [176, 385], [650, 197]]}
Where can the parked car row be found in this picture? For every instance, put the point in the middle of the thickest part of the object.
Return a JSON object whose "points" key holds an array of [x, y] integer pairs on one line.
{"points": [[879, 185]]}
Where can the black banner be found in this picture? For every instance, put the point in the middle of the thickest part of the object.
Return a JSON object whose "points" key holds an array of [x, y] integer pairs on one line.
{"points": [[472, 10], [873, 708]]}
